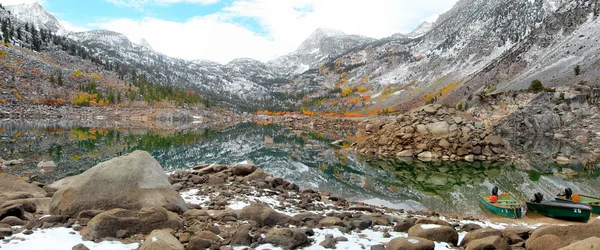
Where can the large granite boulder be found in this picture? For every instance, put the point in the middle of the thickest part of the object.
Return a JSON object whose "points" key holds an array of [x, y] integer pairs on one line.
{"points": [[413, 243], [107, 224], [12, 187], [263, 215], [289, 238], [587, 244], [434, 232], [490, 242], [480, 234], [567, 234], [161, 240], [132, 181]]}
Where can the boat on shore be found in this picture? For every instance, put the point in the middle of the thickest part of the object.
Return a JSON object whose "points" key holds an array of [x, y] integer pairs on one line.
{"points": [[569, 197], [504, 204], [560, 210]]}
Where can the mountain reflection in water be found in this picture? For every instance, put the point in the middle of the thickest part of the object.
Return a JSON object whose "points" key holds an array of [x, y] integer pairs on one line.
{"points": [[305, 158]]}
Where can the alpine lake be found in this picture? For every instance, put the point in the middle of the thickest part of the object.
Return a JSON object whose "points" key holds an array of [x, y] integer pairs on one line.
{"points": [[306, 158]]}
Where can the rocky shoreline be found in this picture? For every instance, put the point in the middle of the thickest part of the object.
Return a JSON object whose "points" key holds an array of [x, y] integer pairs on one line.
{"points": [[432, 132], [130, 199]]}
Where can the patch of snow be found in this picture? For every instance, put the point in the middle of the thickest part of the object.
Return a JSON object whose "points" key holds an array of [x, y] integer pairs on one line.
{"points": [[59, 238], [238, 205], [413, 241], [429, 226], [154, 239], [191, 196]]}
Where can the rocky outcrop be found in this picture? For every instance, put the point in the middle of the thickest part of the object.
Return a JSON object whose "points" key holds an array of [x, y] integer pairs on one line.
{"points": [[133, 181], [107, 224], [547, 113], [429, 133]]}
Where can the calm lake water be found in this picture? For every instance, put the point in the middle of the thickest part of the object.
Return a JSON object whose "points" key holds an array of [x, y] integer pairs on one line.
{"points": [[307, 159]]}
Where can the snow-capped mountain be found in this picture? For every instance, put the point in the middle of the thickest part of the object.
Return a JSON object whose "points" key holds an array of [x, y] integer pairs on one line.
{"points": [[35, 14], [320, 47], [243, 83], [476, 46]]}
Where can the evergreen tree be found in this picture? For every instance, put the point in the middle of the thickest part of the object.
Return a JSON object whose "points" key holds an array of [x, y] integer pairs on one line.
{"points": [[5, 33], [60, 79], [35, 39], [19, 37]]}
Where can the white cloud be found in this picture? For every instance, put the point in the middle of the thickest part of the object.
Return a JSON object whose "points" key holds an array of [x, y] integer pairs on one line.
{"points": [[285, 24], [140, 3], [70, 27], [199, 38]]}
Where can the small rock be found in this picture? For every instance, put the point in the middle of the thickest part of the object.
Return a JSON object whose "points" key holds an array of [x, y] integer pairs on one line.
{"points": [[80, 246], [561, 160], [378, 247], [328, 243]]}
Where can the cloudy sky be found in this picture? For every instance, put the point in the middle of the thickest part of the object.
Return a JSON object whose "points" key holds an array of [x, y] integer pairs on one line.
{"points": [[221, 30]]}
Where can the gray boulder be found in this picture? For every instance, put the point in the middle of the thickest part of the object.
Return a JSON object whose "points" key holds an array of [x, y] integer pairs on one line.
{"points": [[132, 181]]}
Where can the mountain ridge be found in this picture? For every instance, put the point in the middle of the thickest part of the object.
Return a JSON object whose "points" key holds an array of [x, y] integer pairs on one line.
{"points": [[475, 46]]}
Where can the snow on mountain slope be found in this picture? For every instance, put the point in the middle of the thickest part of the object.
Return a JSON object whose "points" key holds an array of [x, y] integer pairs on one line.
{"points": [[419, 31], [317, 49], [243, 83], [36, 14], [477, 45]]}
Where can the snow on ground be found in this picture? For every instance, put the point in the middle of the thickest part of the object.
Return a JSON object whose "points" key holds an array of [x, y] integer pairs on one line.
{"points": [[191, 196], [59, 238], [362, 240]]}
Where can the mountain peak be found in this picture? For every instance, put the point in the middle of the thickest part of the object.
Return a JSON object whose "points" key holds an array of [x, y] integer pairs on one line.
{"points": [[142, 42], [326, 32], [421, 30], [36, 14]]}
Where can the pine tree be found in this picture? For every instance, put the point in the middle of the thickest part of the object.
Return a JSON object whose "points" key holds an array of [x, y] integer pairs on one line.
{"points": [[60, 79], [19, 37], [36, 42], [5, 33]]}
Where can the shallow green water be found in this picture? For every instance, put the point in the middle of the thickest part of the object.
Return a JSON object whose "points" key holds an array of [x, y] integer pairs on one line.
{"points": [[307, 159]]}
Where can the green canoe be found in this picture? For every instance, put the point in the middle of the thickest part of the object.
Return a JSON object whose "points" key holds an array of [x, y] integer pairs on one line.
{"points": [[506, 206], [584, 199], [561, 210]]}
